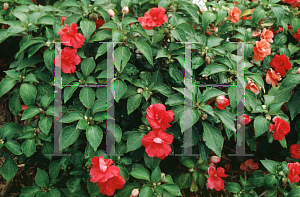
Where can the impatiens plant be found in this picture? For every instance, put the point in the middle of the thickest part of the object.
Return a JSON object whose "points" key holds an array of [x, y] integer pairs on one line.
{"points": [[166, 98]]}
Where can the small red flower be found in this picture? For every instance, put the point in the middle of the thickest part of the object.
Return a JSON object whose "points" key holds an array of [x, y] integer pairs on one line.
{"points": [[227, 166], [108, 188], [244, 119], [249, 164], [24, 107], [252, 86], [281, 128], [295, 151], [214, 180], [267, 35], [99, 22], [158, 118], [272, 77], [157, 144], [297, 34], [154, 18], [281, 63], [70, 37], [215, 159], [222, 102], [245, 18], [63, 20], [34, 1], [234, 15], [69, 59], [294, 172], [261, 49]]}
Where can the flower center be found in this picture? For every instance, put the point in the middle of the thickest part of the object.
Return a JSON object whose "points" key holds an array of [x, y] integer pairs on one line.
{"points": [[158, 140], [155, 18], [103, 167], [156, 117]]}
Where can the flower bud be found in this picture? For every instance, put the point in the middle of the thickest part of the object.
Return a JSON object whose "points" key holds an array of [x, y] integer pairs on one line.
{"points": [[204, 167], [48, 44], [139, 90], [298, 71], [204, 116], [268, 117], [207, 59], [162, 176], [239, 126], [5, 6], [220, 98], [125, 10], [264, 107], [281, 173], [134, 193], [215, 159], [111, 13]]}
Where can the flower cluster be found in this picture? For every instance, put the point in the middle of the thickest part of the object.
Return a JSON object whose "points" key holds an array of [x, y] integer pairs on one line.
{"points": [[157, 142], [106, 175]]}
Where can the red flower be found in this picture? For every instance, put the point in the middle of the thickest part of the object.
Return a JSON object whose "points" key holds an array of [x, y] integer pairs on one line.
{"points": [[69, 59], [227, 166], [70, 37], [108, 188], [251, 86], [281, 63], [295, 151], [63, 20], [281, 128], [234, 15], [297, 34], [256, 33], [158, 144], [99, 22], [154, 18], [103, 169], [244, 119], [158, 118], [272, 77], [249, 164], [294, 172], [298, 71], [245, 18], [267, 35], [222, 102], [261, 49], [24, 107], [215, 159], [293, 3], [214, 180]]}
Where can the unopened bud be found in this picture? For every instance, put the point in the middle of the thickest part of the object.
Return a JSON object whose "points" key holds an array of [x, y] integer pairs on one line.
{"points": [[239, 126], [134, 193], [111, 13], [48, 44], [139, 90], [204, 116], [264, 107], [191, 169], [268, 117], [207, 59], [125, 10], [5, 6], [281, 173], [162, 176], [298, 71]]}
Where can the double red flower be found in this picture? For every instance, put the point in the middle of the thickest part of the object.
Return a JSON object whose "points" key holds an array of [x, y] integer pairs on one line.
{"points": [[70, 37], [222, 102], [106, 175], [157, 142], [154, 18], [244, 119], [69, 60], [295, 151], [252, 86], [281, 64], [281, 128], [214, 180], [249, 165], [294, 172]]}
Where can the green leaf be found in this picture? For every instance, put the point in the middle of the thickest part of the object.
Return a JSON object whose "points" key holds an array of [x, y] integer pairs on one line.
{"points": [[53, 192], [14, 147], [87, 27], [293, 49], [100, 36], [133, 103], [29, 191], [294, 192], [93, 188], [120, 89], [290, 81], [45, 124], [257, 15], [47, 100], [47, 20], [42, 178], [134, 141], [279, 12], [214, 41], [185, 180], [87, 66], [188, 163], [178, 34], [128, 20], [6, 85], [261, 125], [233, 187], [28, 147], [172, 188], [269, 165], [187, 120], [208, 109], [191, 10], [175, 99], [221, 15], [28, 93], [68, 92], [226, 118], [156, 175], [74, 184], [94, 135], [146, 191], [126, 190], [69, 135], [54, 168], [9, 168], [145, 49], [271, 181], [163, 89], [207, 18], [122, 56], [213, 138], [280, 39], [71, 117], [151, 162], [140, 173], [295, 24], [294, 104], [213, 69], [257, 178], [30, 112], [10, 128], [211, 93], [87, 97]]}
